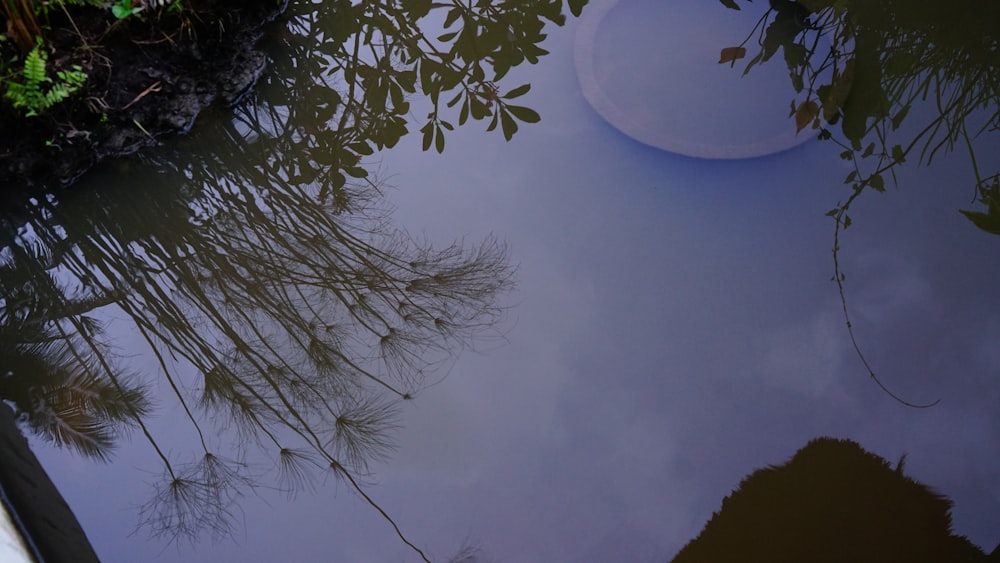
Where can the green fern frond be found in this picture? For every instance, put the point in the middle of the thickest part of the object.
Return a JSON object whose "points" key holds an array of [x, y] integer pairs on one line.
{"points": [[56, 94], [74, 78], [29, 94], [17, 92], [34, 67]]}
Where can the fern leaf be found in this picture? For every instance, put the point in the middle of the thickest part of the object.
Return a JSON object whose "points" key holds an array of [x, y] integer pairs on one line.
{"points": [[34, 68], [30, 95], [56, 94], [17, 93], [74, 78]]}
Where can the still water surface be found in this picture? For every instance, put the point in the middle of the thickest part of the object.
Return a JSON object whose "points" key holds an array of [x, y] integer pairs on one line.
{"points": [[673, 328]]}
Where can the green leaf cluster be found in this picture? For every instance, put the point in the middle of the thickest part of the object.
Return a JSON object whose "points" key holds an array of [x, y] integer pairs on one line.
{"points": [[38, 92]]}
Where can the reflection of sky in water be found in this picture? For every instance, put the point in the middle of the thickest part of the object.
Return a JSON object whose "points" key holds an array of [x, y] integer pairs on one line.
{"points": [[675, 329]]}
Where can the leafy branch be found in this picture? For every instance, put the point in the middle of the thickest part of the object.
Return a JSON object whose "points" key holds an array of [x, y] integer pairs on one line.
{"points": [[864, 66], [385, 52]]}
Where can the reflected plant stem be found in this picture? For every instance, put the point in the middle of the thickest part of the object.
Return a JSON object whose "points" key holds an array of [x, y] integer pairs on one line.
{"points": [[174, 387], [952, 115], [839, 278], [384, 514]]}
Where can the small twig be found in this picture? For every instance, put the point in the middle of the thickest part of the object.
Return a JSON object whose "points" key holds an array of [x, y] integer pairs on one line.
{"points": [[166, 39], [75, 28], [154, 87], [141, 128]]}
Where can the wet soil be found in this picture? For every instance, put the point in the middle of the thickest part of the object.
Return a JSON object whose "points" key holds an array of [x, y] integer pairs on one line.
{"points": [[148, 76]]}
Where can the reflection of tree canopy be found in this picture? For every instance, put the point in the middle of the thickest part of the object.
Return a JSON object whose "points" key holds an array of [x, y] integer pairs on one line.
{"points": [[382, 51], [274, 296], [864, 66], [832, 502]]}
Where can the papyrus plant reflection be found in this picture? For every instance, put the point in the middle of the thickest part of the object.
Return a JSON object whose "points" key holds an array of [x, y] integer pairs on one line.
{"points": [[276, 300], [303, 323]]}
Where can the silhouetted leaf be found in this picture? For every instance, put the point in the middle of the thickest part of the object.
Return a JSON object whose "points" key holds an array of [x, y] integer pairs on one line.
{"points": [[757, 58], [361, 148], [897, 119], [355, 172], [508, 125], [795, 55], [797, 83], [524, 114], [519, 91], [463, 114], [478, 108], [428, 131], [986, 222], [877, 182], [805, 114], [439, 140], [897, 153], [732, 54]]}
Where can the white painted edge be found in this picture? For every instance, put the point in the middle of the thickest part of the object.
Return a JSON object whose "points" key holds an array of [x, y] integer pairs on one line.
{"points": [[12, 546]]}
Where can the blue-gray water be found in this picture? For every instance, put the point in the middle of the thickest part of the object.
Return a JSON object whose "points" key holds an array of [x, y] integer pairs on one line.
{"points": [[674, 327]]}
